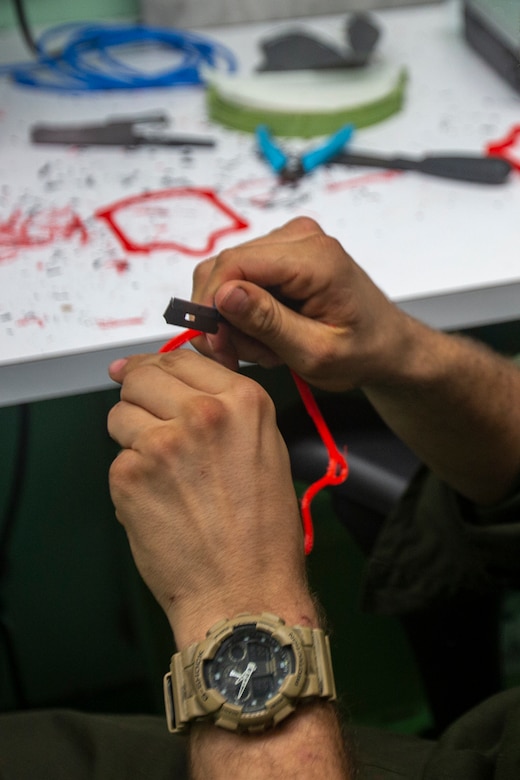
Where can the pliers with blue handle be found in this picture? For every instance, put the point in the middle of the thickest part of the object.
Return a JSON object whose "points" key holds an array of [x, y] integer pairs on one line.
{"points": [[292, 167]]}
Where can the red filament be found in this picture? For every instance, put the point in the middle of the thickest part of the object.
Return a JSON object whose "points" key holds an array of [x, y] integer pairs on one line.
{"points": [[337, 470]]}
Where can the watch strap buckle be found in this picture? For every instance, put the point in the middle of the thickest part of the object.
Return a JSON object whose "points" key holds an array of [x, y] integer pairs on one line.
{"points": [[169, 704]]}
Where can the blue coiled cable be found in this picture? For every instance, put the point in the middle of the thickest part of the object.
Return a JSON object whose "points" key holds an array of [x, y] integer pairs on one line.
{"points": [[86, 59]]}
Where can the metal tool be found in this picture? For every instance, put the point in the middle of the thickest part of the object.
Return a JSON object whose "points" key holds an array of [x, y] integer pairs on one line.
{"points": [[115, 132], [472, 168], [291, 167]]}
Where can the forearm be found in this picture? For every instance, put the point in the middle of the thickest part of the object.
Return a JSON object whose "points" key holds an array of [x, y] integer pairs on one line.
{"points": [[307, 746], [457, 405]]}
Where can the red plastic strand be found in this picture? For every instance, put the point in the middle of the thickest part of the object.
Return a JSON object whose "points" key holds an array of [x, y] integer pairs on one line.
{"points": [[178, 341], [337, 470]]}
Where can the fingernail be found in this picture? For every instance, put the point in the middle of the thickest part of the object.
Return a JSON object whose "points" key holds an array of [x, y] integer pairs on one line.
{"points": [[235, 301], [117, 365]]}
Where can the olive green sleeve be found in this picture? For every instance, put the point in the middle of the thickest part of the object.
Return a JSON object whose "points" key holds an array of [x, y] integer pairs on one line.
{"points": [[435, 544]]}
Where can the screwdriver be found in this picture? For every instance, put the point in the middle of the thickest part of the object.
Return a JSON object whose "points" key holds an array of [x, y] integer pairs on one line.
{"points": [[478, 169]]}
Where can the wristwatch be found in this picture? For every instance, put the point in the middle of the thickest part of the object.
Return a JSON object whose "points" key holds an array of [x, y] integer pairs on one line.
{"points": [[248, 674]]}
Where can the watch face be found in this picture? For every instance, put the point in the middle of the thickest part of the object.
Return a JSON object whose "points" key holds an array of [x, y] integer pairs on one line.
{"points": [[249, 667]]}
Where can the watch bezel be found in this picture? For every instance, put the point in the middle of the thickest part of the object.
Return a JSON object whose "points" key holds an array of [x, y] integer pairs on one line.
{"points": [[277, 706]]}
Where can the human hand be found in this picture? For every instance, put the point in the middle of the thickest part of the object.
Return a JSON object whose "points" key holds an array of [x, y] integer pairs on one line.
{"points": [[345, 332], [203, 488]]}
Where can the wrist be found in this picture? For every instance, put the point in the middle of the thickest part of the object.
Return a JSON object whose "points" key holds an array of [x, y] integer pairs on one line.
{"points": [[407, 355], [190, 622]]}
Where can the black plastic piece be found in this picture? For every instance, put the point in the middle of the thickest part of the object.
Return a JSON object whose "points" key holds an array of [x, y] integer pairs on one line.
{"points": [[300, 50], [187, 314], [363, 34]]}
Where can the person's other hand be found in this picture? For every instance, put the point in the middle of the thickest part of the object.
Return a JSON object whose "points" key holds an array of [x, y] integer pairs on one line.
{"points": [[203, 488], [344, 333]]}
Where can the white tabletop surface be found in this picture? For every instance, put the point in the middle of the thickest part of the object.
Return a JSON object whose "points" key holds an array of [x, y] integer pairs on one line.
{"points": [[72, 297]]}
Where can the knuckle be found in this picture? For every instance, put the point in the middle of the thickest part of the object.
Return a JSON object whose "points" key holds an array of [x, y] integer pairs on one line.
{"points": [[112, 416], [210, 414], [305, 226], [134, 378], [201, 272], [206, 414], [251, 395], [226, 258], [122, 474], [265, 317], [326, 246], [161, 443]]}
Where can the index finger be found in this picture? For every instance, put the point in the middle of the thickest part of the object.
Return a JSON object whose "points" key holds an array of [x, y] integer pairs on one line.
{"points": [[273, 266], [185, 365]]}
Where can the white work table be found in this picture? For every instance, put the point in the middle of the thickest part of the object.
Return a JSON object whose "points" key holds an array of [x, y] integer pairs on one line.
{"points": [[73, 297]]}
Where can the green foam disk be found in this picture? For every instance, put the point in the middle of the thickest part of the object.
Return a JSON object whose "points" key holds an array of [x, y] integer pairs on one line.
{"points": [[246, 111]]}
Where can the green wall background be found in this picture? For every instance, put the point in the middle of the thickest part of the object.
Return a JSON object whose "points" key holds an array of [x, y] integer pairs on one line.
{"points": [[42, 12]]}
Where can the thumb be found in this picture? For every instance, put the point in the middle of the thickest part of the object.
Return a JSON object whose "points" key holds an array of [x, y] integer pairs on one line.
{"points": [[255, 312], [233, 300]]}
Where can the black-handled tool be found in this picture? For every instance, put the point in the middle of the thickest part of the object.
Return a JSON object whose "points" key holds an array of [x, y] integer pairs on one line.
{"points": [[114, 132], [478, 169]]}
